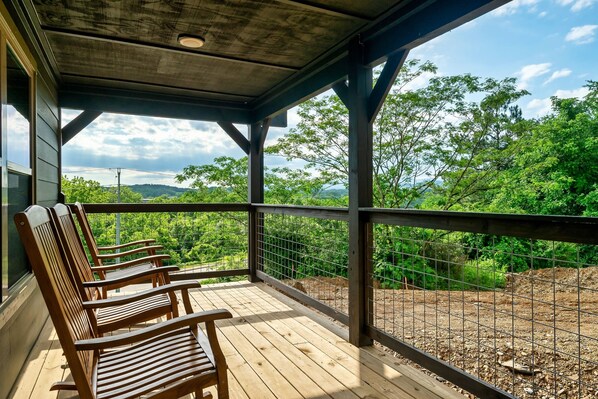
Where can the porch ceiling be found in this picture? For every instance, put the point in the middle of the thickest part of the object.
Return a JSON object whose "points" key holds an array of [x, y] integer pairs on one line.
{"points": [[259, 57]]}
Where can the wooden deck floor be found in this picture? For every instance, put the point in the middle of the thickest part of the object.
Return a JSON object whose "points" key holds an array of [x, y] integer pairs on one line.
{"points": [[275, 348]]}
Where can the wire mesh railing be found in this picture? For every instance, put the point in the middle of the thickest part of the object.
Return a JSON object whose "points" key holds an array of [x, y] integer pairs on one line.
{"points": [[308, 252], [501, 305], [205, 243], [516, 313]]}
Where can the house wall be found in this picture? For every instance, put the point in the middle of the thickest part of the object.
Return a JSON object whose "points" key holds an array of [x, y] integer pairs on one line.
{"points": [[24, 313], [21, 320], [48, 144]]}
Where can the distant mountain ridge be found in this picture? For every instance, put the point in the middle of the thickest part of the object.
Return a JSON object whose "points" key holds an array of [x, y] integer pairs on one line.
{"points": [[149, 191], [157, 190]]}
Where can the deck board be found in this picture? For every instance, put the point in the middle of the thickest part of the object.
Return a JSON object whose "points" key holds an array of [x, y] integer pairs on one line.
{"points": [[275, 348]]}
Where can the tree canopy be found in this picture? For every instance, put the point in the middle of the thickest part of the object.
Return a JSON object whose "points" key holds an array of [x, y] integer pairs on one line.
{"points": [[437, 136]]}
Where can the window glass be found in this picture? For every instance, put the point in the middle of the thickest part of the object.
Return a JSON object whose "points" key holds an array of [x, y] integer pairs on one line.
{"points": [[18, 112], [19, 198], [18, 155]]}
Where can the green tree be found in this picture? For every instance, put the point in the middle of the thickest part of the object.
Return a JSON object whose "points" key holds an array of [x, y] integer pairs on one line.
{"points": [[226, 181], [84, 191], [555, 172], [430, 137], [90, 191]]}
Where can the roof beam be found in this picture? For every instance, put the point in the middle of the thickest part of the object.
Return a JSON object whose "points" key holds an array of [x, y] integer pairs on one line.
{"points": [[321, 8], [408, 25], [163, 47], [134, 102], [236, 135], [419, 22], [79, 123], [308, 85], [141, 103], [342, 91], [385, 81]]}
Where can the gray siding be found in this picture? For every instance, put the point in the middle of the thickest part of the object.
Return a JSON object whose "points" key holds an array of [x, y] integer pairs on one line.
{"points": [[47, 145], [19, 332]]}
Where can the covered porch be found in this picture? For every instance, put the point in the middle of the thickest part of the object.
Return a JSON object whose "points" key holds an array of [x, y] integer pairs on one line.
{"points": [[530, 334], [275, 348]]}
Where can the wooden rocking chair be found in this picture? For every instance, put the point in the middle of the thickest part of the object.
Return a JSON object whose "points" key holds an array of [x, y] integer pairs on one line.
{"points": [[167, 360], [116, 272], [142, 246], [122, 311]]}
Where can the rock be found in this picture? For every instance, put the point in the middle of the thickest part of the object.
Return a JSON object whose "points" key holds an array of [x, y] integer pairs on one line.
{"points": [[528, 390], [299, 286], [518, 367]]}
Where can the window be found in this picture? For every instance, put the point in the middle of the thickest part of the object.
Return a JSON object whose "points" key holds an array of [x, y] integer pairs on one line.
{"points": [[16, 166]]}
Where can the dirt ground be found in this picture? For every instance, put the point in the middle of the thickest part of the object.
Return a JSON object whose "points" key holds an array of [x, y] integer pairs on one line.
{"points": [[544, 324]]}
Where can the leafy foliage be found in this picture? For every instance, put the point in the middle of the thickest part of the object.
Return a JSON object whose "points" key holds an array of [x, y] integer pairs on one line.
{"points": [[458, 143]]}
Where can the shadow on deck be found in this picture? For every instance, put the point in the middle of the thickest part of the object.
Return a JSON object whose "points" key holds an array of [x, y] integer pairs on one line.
{"points": [[275, 348]]}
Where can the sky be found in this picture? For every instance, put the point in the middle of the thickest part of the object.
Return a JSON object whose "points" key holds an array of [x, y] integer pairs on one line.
{"points": [[550, 46]]}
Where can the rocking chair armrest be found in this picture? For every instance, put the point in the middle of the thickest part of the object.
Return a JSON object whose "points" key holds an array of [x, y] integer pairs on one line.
{"points": [[133, 262], [128, 244], [152, 331], [131, 252], [125, 299], [156, 271]]}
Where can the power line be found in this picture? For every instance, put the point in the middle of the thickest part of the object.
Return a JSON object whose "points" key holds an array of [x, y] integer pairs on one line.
{"points": [[150, 172]]}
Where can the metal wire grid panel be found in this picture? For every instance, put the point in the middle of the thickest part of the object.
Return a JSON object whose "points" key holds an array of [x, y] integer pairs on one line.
{"points": [[520, 314], [196, 241], [308, 254]]}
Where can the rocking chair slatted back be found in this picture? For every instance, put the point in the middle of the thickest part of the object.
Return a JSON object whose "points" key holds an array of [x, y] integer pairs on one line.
{"points": [[71, 321], [87, 233], [75, 253]]}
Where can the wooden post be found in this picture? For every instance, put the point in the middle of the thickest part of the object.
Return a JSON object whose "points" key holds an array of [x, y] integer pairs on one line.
{"points": [[257, 136], [360, 189]]}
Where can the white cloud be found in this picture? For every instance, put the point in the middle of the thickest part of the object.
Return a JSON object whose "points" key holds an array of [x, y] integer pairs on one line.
{"points": [[581, 34], [561, 73], [576, 5], [157, 145], [539, 106], [515, 6], [542, 106], [529, 72], [575, 93]]}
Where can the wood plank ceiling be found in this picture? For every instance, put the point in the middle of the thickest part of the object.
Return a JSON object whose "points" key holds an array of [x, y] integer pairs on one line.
{"points": [[260, 56], [250, 46]]}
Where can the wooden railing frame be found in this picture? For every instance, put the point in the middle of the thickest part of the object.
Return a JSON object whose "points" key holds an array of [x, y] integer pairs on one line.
{"points": [[139, 208], [165, 208], [574, 229], [582, 230]]}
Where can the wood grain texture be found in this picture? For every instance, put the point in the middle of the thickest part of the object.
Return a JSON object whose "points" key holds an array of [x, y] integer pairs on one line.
{"points": [[147, 65], [276, 32], [277, 348]]}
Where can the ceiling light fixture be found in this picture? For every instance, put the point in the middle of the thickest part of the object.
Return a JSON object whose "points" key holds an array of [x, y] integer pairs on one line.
{"points": [[190, 41]]}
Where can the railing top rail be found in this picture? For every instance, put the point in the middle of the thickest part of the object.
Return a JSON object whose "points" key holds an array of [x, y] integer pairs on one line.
{"points": [[170, 207], [320, 212], [558, 228], [575, 229]]}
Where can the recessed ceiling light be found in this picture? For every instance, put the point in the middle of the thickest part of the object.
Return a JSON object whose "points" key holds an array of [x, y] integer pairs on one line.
{"points": [[191, 41]]}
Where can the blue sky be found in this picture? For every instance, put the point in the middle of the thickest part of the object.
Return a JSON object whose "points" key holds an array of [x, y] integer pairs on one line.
{"points": [[550, 46]]}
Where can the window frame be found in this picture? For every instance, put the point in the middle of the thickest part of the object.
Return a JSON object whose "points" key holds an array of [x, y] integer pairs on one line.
{"points": [[10, 38]]}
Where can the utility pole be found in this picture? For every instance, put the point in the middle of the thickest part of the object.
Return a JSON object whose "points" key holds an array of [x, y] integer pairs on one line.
{"points": [[118, 214]]}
